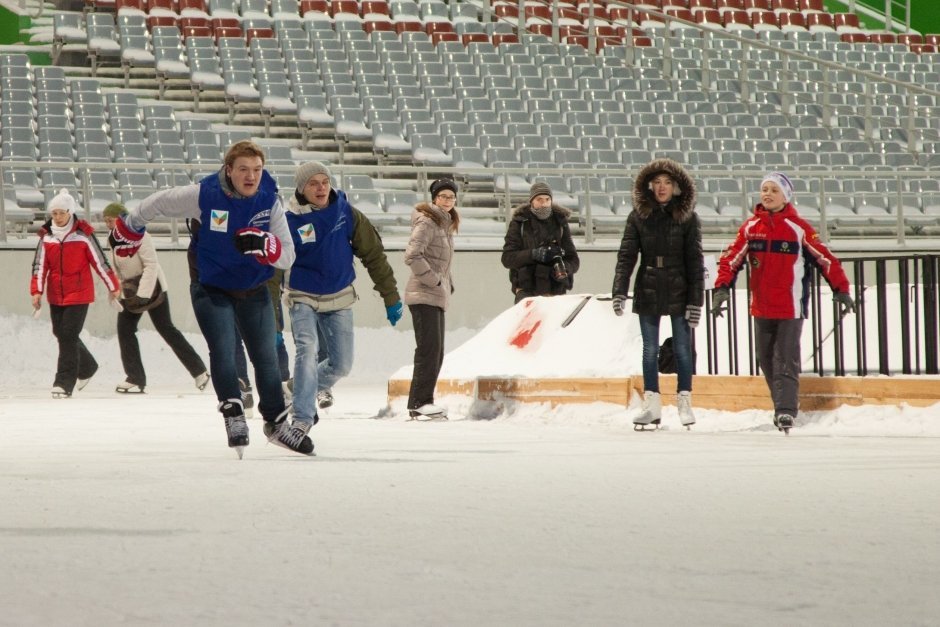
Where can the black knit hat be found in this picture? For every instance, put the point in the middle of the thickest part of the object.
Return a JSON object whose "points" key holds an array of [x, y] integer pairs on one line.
{"points": [[440, 185]]}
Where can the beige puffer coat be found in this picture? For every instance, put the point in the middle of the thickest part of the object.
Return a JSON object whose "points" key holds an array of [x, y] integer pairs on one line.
{"points": [[429, 254]]}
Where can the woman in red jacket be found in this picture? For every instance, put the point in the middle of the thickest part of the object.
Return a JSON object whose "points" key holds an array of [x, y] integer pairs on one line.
{"points": [[780, 247], [66, 254]]}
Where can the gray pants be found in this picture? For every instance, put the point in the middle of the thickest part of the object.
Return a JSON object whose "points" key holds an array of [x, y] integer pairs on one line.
{"points": [[778, 354]]}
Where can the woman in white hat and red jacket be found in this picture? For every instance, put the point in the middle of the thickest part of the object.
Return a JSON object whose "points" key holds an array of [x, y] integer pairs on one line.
{"points": [[66, 255], [779, 246]]}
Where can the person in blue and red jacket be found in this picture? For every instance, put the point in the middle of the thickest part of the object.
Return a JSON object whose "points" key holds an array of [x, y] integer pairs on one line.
{"points": [[243, 235], [780, 247], [66, 255]]}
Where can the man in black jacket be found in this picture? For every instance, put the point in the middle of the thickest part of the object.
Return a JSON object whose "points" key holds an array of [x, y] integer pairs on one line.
{"points": [[538, 249]]}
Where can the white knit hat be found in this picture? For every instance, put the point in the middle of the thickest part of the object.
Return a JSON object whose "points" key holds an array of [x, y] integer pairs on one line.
{"points": [[63, 200], [782, 181], [306, 171]]}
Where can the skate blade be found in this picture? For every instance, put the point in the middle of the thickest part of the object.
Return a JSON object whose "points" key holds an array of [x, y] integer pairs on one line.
{"points": [[240, 451], [120, 391], [651, 426], [429, 418], [61, 396]]}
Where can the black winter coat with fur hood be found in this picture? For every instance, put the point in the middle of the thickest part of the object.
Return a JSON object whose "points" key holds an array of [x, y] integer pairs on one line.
{"points": [[667, 242], [525, 232]]}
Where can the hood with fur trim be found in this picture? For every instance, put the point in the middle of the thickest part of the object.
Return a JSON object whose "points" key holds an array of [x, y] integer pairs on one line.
{"points": [[682, 206]]}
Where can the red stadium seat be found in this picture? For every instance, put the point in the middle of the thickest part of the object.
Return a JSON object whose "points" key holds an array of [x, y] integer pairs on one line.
{"points": [[161, 20], [909, 39], [757, 5], [853, 38], [195, 22], [504, 38], [505, 10], [819, 21], [782, 6], [708, 16], [161, 7], [134, 6], [623, 14], [373, 7], [193, 6], [344, 6], [644, 42], [317, 6], [736, 19], [195, 31], [730, 5], [883, 38], [374, 25], [923, 48], [764, 20], [682, 14], [469, 38], [696, 5], [812, 5], [572, 31], [225, 22], [846, 21], [932, 39], [227, 31], [791, 21], [258, 33], [540, 29], [440, 36], [404, 27], [438, 27]]}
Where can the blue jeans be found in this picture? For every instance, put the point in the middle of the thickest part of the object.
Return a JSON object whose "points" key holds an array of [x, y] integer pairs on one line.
{"points": [[682, 344], [311, 374], [219, 315]]}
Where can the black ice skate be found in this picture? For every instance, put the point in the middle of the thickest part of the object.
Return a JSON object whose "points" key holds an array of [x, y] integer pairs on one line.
{"points": [[235, 426], [783, 422], [248, 399], [292, 436]]}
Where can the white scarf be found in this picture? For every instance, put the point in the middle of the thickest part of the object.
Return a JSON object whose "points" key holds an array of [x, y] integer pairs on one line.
{"points": [[59, 232]]}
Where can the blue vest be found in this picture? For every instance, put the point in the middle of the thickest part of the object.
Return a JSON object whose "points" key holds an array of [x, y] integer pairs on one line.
{"points": [[322, 243], [219, 262]]}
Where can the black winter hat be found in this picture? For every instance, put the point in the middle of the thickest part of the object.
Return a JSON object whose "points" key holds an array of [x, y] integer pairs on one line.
{"points": [[440, 185]]}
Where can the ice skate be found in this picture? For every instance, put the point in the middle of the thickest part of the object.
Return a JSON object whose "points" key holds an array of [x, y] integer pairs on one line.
{"points": [[126, 387], [248, 399], [324, 399], [684, 403], [81, 383], [428, 412], [235, 426], [784, 422], [201, 381], [292, 436], [59, 392], [651, 413]]}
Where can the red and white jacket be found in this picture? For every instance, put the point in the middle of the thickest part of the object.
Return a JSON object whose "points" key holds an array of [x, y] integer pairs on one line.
{"points": [[780, 248], [62, 269]]}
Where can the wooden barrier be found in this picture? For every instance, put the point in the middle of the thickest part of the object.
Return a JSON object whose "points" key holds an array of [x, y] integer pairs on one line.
{"points": [[729, 393]]}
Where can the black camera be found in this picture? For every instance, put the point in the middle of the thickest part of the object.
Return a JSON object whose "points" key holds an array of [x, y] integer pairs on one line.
{"points": [[559, 269]]}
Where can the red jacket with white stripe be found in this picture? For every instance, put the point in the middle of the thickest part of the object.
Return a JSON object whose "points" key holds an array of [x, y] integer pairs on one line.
{"points": [[780, 248], [62, 269]]}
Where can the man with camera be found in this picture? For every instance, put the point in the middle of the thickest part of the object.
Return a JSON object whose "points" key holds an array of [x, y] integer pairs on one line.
{"points": [[538, 249]]}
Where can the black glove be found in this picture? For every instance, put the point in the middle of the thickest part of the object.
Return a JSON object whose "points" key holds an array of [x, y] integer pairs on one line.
{"points": [[720, 296], [846, 304], [619, 302], [545, 254]]}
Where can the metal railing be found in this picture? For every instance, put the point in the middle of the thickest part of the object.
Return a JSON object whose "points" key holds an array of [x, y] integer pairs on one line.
{"points": [[894, 330]]}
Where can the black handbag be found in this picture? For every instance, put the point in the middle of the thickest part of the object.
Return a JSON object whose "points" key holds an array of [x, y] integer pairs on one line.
{"points": [[134, 303]]}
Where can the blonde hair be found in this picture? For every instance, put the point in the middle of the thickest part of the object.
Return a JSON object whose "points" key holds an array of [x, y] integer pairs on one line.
{"points": [[244, 148]]}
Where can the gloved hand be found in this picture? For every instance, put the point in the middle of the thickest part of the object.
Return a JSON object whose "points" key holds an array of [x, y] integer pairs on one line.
{"points": [[545, 254], [619, 302], [393, 312], [693, 314], [265, 246], [720, 296], [846, 304], [126, 240]]}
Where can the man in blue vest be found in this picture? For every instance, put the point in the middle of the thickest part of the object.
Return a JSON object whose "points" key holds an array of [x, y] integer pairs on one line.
{"points": [[328, 233], [243, 235]]}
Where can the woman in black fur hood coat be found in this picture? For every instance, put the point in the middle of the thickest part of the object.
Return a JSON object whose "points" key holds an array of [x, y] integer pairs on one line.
{"points": [[663, 241]]}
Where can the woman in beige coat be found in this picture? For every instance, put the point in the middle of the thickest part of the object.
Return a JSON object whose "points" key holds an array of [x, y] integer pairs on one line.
{"points": [[144, 290], [429, 254]]}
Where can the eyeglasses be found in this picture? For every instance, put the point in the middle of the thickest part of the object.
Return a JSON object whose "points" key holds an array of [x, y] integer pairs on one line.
{"points": [[447, 197]]}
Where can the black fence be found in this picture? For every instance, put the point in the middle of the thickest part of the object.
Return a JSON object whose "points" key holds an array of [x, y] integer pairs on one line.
{"points": [[894, 329]]}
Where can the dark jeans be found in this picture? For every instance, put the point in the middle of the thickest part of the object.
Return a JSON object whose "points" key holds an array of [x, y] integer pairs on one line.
{"points": [[682, 345], [429, 353], [219, 314], [778, 354], [241, 362], [75, 362], [130, 349]]}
